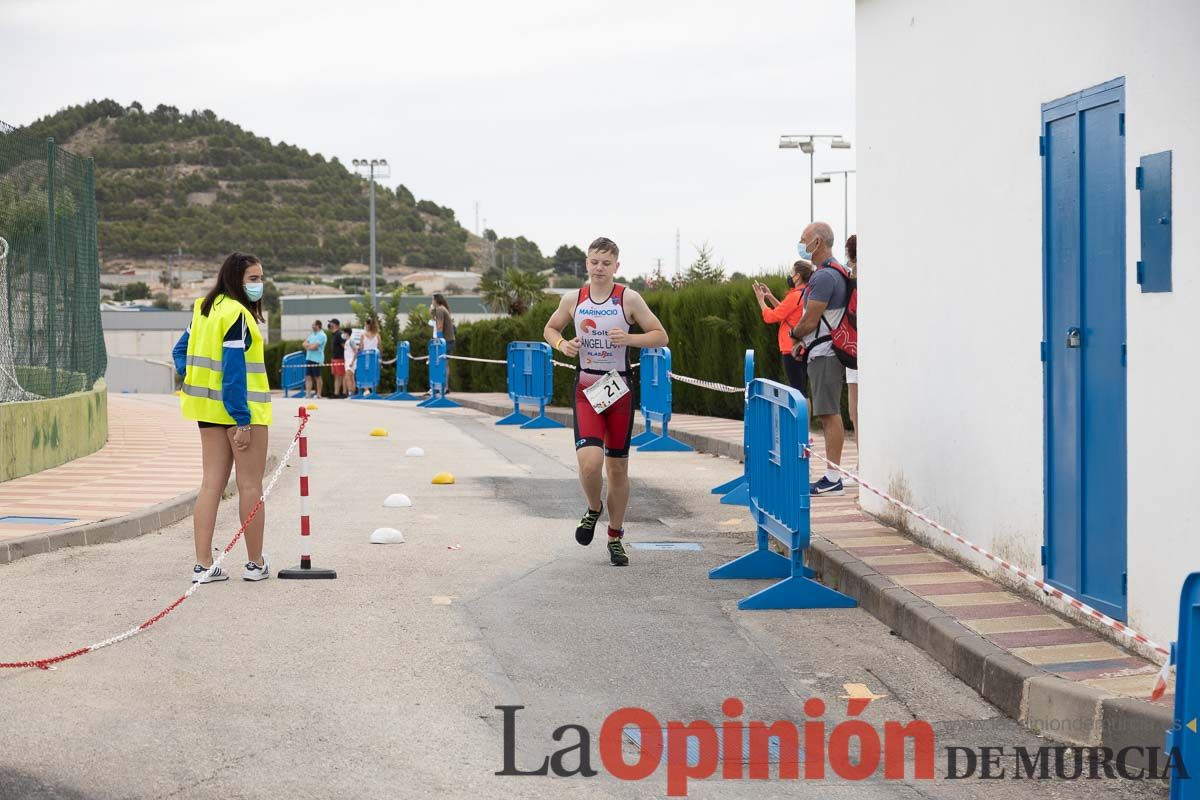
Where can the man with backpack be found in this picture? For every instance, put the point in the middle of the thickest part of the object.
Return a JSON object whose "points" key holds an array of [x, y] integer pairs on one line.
{"points": [[828, 334]]}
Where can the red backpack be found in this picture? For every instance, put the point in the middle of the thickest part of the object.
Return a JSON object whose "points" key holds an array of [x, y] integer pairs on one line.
{"points": [[845, 336]]}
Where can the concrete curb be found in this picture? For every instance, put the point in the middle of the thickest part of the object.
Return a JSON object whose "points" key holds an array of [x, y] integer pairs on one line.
{"points": [[117, 529], [1058, 708]]}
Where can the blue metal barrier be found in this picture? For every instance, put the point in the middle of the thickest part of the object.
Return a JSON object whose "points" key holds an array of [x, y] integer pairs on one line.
{"points": [[737, 491], [530, 378], [292, 374], [655, 388], [777, 466], [402, 362], [438, 376], [1186, 654], [366, 375]]}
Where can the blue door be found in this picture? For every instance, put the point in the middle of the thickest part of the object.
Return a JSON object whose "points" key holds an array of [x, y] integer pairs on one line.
{"points": [[1083, 217]]}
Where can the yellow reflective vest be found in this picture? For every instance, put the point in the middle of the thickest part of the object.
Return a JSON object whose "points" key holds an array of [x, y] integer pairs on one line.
{"points": [[202, 396]]}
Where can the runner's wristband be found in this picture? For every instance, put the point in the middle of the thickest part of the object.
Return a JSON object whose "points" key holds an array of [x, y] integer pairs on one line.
{"points": [[561, 339]]}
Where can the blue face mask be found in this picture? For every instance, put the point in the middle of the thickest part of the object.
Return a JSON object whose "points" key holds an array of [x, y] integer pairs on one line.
{"points": [[805, 253], [254, 291]]}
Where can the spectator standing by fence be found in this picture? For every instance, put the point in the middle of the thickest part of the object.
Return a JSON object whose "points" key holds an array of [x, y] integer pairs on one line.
{"points": [[443, 326], [787, 313], [824, 305], [370, 339], [314, 357], [352, 341], [337, 356], [443, 321]]}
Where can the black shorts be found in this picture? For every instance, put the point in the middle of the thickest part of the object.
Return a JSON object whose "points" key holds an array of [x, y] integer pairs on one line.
{"points": [[797, 373], [214, 425], [312, 370]]}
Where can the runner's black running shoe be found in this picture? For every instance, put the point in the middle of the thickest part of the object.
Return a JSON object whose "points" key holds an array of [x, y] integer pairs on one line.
{"points": [[616, 553], [587, 526]]}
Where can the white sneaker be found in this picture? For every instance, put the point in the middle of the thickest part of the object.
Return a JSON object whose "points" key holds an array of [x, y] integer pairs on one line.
{"points": [[203, 575], [256, 573]]}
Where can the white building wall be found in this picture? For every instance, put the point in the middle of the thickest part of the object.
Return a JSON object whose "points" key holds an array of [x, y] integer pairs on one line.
{"points": [[949, 111], [151, 344]]}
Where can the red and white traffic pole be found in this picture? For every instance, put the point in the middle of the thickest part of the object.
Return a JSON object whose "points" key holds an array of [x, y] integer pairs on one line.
{"points": [[305, 569]]}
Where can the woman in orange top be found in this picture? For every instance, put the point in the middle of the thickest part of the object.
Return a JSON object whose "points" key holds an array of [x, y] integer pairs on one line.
{"points": [[787, 313]]}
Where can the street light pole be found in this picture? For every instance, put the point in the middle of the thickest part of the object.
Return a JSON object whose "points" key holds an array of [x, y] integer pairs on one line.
{"points": [[805, 143], [372, 166], [845, 173]]}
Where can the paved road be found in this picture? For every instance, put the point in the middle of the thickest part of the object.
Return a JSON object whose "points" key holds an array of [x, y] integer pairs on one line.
{"points": [[384, 683]]}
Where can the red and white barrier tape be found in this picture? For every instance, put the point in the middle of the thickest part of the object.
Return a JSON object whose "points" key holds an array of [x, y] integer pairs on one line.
{"points": [[1072, 602], [47, 663], [714, 386]]}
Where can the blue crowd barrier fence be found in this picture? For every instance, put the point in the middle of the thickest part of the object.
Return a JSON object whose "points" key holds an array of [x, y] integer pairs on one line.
{"points": [[366, 375], [530, 375], [654, 386], [737, 491], [1185, 653], [403, 351], [777, 467], [291, 376], [438, 376]]}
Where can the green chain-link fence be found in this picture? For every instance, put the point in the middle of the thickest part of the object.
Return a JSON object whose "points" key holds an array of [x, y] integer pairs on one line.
{"points": [[51, 342]]}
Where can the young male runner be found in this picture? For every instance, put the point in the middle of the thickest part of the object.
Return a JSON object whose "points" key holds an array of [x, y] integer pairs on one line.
{"points": [[602, 312]]}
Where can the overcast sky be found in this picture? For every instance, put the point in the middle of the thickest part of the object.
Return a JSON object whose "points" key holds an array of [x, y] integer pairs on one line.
{"points": [[564, 120]]}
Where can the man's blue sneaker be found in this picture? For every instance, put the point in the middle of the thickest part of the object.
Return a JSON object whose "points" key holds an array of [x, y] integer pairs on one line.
{"points": [[826, 486]]}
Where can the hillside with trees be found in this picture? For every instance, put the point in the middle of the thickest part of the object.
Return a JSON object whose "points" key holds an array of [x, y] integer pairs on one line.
{"points": [[167, 179]]}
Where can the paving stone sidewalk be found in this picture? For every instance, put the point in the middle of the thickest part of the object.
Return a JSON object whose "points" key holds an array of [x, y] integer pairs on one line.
{"points": [[143, 479], [1018, 625]]}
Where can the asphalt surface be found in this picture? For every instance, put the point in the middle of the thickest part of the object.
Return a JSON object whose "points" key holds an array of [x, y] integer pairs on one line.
{"points": [[384, 683]]}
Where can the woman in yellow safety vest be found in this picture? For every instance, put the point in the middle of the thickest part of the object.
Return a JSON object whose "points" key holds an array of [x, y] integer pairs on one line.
{"points": [[225, 389]]}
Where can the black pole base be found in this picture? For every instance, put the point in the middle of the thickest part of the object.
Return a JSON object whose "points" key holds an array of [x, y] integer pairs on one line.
{"points": [[306, 573]]}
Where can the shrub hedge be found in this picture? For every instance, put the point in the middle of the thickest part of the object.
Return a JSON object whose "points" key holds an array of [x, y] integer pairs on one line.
{"points": [[711, 326]]}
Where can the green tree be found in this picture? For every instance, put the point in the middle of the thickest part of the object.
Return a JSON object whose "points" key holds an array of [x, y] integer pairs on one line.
{"points": [[514, 291], [704, 269], [138, 290], [160, 301], [568, 260], [569, 282], [520, 253]]}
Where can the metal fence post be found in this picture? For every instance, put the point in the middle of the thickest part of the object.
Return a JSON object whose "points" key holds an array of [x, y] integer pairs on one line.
{"points": [[51, 247]]}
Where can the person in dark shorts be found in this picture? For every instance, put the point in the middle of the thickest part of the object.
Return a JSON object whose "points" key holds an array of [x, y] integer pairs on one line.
{"points": [[787, 313], [337, 356], [602, 313], [314, 357], [824, 305]]}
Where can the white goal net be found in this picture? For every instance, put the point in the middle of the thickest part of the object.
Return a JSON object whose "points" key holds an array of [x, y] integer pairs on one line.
{"points": [[10, 384]]}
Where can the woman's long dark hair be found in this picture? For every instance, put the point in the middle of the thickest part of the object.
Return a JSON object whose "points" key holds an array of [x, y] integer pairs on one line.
{"points": [[229, 283]]}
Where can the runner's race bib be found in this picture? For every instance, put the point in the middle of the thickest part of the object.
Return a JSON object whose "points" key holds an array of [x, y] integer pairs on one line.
{"points": [[606, 391]]}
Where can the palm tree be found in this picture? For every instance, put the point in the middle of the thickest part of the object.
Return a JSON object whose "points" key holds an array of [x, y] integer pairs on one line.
{"points": [[514, 291]]}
